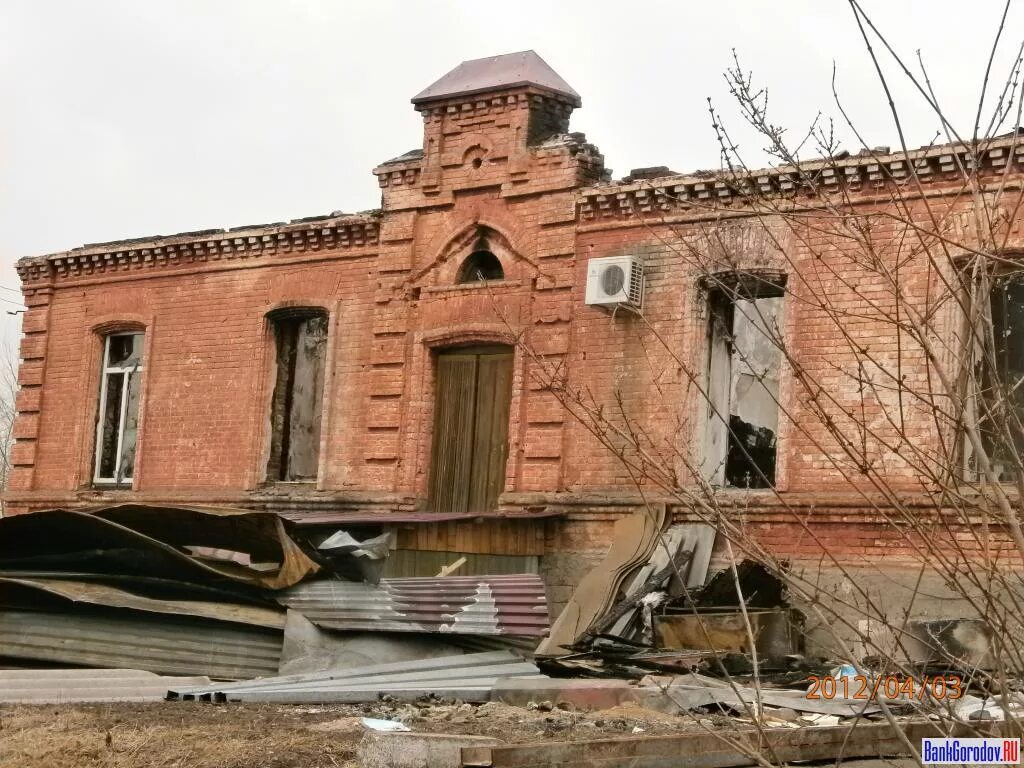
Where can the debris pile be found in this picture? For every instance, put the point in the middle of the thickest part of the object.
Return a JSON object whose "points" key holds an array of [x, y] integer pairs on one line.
{"points": [[231, 594], [243, 606], [653, 609]]}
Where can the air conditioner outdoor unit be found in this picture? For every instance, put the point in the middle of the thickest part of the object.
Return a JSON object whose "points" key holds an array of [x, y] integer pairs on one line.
{"points": [[615, 281]]}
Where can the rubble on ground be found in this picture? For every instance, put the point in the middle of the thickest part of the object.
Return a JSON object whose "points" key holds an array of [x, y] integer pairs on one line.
{"points": [[243, 609]]}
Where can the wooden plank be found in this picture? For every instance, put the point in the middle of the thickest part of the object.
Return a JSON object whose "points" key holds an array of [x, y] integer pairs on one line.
{"points": [[479, 490], [307, 398], [452, 452], [725, 749], [490, 438], [461, 539], [405, 562]]}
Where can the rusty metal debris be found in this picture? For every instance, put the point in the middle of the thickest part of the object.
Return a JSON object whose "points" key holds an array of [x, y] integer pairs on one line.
{"points": [[205, 591]]}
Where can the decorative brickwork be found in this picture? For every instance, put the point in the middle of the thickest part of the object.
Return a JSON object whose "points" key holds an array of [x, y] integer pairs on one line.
{"points": [[498, 167]]}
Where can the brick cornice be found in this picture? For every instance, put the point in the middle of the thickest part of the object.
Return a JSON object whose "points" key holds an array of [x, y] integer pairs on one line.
{"points": [[495, 102], [303, 235], [858, 175]]}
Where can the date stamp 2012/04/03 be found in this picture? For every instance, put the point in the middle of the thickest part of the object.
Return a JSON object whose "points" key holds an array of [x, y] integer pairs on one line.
{"points": [[886, 686]]}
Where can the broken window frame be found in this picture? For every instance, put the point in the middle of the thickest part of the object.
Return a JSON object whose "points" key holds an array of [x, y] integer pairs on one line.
{"points": [[128, 407], [719, 438], [277, 466]]}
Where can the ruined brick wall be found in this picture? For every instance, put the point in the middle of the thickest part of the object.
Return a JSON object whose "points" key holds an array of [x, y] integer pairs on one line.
{"points": [[388, 283], [206, 385], [655, 365]]}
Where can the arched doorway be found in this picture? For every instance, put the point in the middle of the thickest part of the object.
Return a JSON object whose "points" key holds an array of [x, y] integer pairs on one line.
{"points": [[472, 396]]}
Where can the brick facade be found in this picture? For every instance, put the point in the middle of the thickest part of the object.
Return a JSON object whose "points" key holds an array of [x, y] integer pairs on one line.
{"points": [[499, 161]]}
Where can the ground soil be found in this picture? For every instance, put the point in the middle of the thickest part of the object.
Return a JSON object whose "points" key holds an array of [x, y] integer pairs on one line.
{"points": [[173, 734]]}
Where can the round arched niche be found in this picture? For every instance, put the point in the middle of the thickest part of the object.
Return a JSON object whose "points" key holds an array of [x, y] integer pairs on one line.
{"points": [[481, 265], [478, 255]]}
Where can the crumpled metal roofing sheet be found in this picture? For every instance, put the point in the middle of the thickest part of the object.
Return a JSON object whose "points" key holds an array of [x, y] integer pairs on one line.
{"points": [[470, 677], [65, 686], [97, 593], [166, 645], [140, 540], [475, 605]]}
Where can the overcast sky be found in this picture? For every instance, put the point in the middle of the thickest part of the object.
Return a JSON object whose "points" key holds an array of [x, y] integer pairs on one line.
{"points": [[143, 117]]}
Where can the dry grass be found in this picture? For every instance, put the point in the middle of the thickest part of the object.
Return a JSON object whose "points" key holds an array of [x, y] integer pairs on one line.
{"points": [[170, 735], [178, 734]]}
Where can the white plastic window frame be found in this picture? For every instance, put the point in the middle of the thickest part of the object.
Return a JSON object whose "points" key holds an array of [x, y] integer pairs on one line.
{"points": [[105, 374]]}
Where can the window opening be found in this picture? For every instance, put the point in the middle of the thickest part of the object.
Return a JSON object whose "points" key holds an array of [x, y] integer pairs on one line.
{"points": [[480, 266], [743, 366], [117, 423], [297, 404], [1002, 379]]}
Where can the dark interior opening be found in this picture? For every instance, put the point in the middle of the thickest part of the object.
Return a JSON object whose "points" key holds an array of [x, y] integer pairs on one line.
{"points": [[301, 342], [480, 266], [744, 362]]}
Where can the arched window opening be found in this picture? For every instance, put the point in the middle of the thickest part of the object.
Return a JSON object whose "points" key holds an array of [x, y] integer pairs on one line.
{"points": [[480, 266], [295, 412], [117, 422]]}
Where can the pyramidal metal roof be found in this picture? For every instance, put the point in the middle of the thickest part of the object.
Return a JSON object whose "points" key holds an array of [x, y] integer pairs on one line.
{"points": [[506, 71]]}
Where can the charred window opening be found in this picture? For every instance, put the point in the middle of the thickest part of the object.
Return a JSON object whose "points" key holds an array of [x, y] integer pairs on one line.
{"points": [[117, 423], [480, 266], [301, 340], [1001, 411], [743, 365]]}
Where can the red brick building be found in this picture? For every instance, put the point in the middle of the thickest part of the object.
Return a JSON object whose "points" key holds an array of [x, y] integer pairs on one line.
{"points": [[359, 365]]}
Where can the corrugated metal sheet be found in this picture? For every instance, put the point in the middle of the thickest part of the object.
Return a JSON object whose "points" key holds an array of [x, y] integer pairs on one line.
{"points": [[330, 517], [176, 646], [476, 605], [470, 677], [65, 686], [103, 594]]}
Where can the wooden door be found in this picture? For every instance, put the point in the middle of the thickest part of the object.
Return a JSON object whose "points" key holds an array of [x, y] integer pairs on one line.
{"points": [[470, 446]]}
